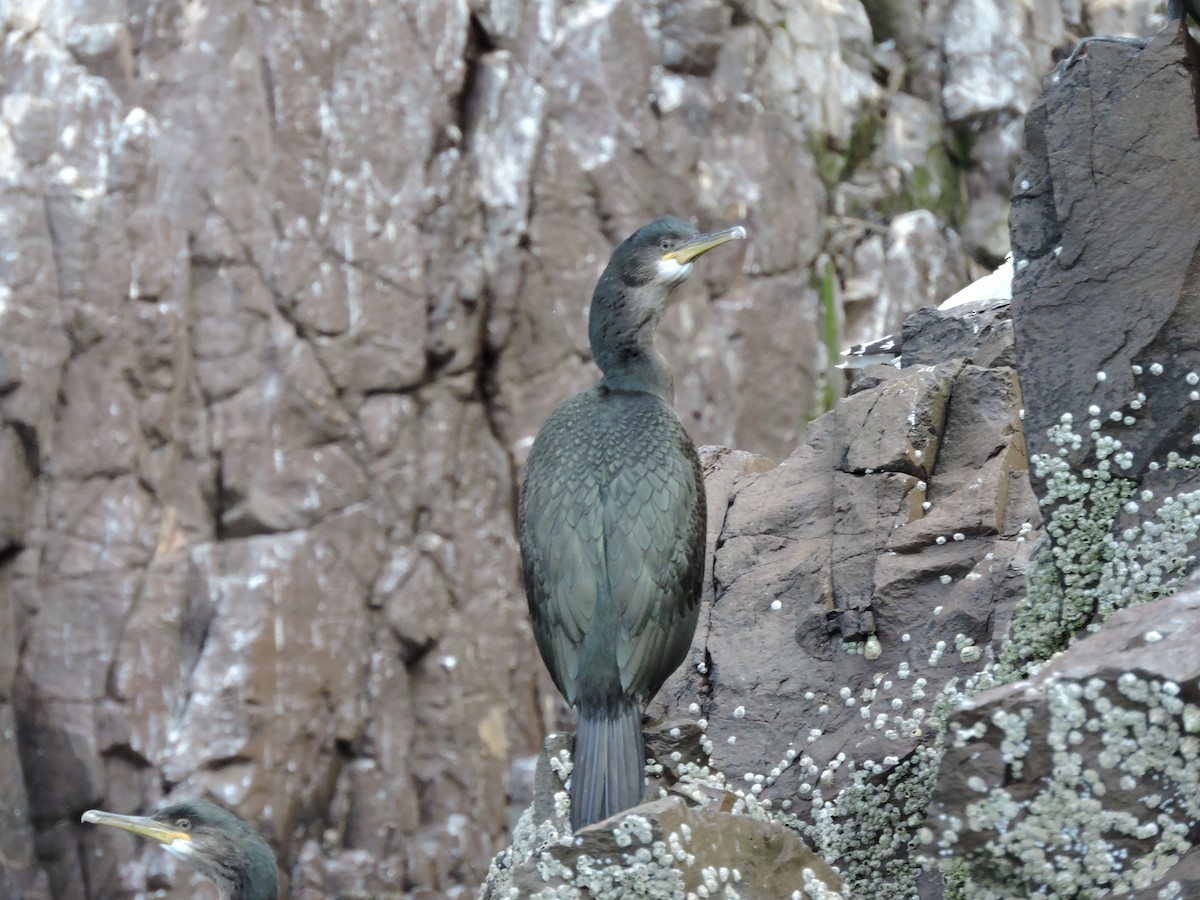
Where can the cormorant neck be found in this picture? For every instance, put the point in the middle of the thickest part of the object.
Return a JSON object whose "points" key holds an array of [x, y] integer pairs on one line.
{"points": [[622, 326]]}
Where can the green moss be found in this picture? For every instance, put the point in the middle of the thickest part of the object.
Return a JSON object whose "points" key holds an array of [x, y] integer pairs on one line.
{"points": [[827, 160], [827, 389], [961, 149], [864, 138], [937, 186], [1036, 632], [834, 165]]}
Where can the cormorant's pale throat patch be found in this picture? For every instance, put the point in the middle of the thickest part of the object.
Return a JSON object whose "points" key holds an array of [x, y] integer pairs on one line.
{"points": [[672, 271]]}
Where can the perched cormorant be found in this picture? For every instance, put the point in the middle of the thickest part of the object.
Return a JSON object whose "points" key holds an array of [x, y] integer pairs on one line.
{"points": [[612, 523], [214, 842]]}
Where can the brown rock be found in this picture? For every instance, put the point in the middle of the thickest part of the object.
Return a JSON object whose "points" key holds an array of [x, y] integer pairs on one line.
{"points": [[860, 575], [664, 848]]}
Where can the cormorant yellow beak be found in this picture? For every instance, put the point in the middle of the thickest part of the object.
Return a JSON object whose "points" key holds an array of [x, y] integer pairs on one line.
{"points": [[702, 243], [143, 826]]}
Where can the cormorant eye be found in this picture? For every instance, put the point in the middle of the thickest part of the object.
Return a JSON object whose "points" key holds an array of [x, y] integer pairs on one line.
{"points": [[665, 244], [183, 824]]}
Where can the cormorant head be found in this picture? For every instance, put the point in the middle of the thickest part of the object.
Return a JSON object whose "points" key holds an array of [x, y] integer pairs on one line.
{"points": [[663, 251], [631, 295], [211, 840]]}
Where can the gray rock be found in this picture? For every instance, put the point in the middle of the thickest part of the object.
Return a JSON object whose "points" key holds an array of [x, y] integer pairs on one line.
{"points": [[670, 847], [1080, 272], [1085, 775], [1112, 423], [988, 65], [902, 280], [980, 333]]}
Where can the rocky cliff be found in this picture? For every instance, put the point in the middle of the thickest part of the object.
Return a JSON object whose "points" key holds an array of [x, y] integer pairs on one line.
{"points": [[944, 643], [287, 289]]}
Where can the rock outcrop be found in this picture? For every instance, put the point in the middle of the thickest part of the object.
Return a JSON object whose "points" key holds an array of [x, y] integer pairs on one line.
{"points": [[667, 848], [1085, 779], [1082, 780], [1107, 309], [853, 582]]}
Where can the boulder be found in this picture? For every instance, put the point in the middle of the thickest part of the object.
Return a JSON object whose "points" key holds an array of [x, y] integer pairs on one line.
{"points": [[697, 840], [1085, 777]]}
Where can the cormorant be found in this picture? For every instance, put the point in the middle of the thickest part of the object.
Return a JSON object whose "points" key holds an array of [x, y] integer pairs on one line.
{"points": [[612, 523], [214, 842]]}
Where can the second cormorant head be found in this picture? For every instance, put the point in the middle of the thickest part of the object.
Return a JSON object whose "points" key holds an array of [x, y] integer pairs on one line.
{"points": [[631, 295], [211, 840]]}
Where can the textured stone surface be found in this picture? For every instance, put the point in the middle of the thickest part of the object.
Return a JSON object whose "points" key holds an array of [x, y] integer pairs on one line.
{"points": [[841, 524], [875, 569], [285, 290], [1115, 421], [1094, 250], [839, 548], [918, 263], [979, 333], [754, 857], [1081, 780], [879, 561], [1088, 773], [691, 838]]}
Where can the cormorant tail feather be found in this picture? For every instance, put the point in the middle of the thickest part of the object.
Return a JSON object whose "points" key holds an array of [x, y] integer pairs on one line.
{"points": [[608, 775]]}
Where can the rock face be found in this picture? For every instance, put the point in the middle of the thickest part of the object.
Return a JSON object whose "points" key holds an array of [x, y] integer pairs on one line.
{"points": [[885, 574], [1094, 250], [1101, 743], [1116, 425], [852, 582], [1082, 780], [1087, 776], [286, 289], [852, 585]]}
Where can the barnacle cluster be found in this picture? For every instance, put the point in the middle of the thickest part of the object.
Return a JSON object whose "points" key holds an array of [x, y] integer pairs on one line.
{"points": [[1086, 567]]}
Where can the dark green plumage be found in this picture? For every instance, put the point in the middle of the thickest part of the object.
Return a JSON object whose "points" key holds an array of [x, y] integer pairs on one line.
{"points": [[612, 524], [211, 840]]}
